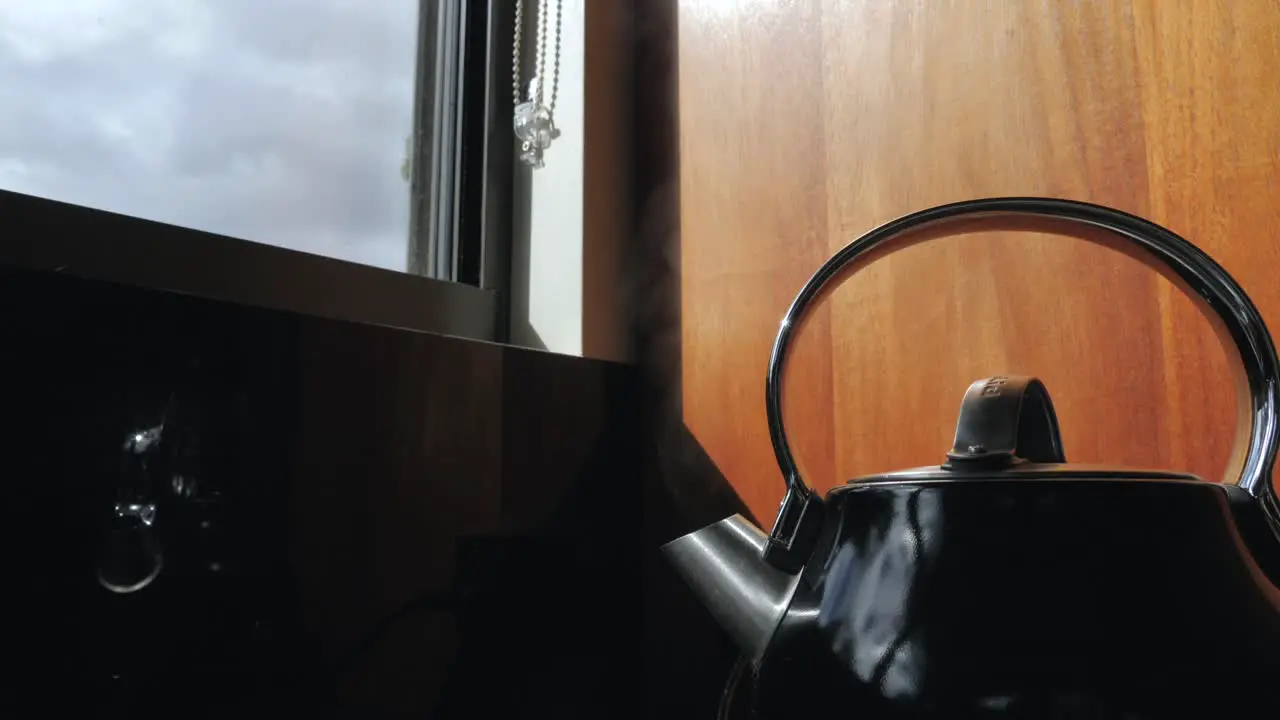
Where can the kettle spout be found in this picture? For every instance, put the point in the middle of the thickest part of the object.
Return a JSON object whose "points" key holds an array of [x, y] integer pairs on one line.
{"points": [[723, 564]]}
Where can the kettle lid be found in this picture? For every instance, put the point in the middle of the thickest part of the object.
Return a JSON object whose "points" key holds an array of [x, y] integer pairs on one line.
{"points": [[1008, 429], [1023, 471]]}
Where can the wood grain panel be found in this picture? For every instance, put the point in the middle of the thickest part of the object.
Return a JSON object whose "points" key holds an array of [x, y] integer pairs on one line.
{"points": [[1213, 139], [804, 124], [753, 225]]}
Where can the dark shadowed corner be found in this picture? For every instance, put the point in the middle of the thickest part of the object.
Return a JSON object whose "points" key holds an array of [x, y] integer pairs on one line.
{"points": [[686, 657]]}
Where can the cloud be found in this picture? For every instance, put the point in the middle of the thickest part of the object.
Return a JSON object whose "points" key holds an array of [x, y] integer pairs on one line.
{"points": [[281, 122]]}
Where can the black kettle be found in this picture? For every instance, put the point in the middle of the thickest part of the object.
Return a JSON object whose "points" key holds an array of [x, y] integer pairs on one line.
{"points": [[1006, 582]]}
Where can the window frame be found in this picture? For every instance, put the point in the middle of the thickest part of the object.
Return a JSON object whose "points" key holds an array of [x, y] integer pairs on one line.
{"points": [[53, 236], [464, 299]]}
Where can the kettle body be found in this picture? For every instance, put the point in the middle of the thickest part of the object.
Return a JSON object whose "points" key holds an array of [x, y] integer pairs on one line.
{"points": [[1006, 582], [1055, 598]]}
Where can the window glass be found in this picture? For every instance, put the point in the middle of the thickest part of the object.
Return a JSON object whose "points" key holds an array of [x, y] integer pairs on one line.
{"points": [[279, 121]]}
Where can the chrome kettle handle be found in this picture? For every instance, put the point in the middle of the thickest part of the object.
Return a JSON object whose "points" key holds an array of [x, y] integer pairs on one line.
{"points": [[1199, 275]]}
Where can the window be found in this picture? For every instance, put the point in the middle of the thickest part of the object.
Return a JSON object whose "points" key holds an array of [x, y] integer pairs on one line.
{"points": [[326, 126]]}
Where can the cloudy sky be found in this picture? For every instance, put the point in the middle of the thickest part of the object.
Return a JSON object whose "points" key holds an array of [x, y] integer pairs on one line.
{"points": [[279, 121]]}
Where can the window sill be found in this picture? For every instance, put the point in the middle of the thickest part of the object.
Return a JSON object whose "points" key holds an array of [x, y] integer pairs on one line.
{"points": [[42, 234]]}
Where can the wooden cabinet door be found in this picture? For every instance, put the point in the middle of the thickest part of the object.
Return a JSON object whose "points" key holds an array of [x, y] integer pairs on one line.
{"points": [[804, 124]]}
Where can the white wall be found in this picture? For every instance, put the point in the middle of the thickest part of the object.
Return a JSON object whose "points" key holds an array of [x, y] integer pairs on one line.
{"points": [[546, 273], [566, 256]]}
